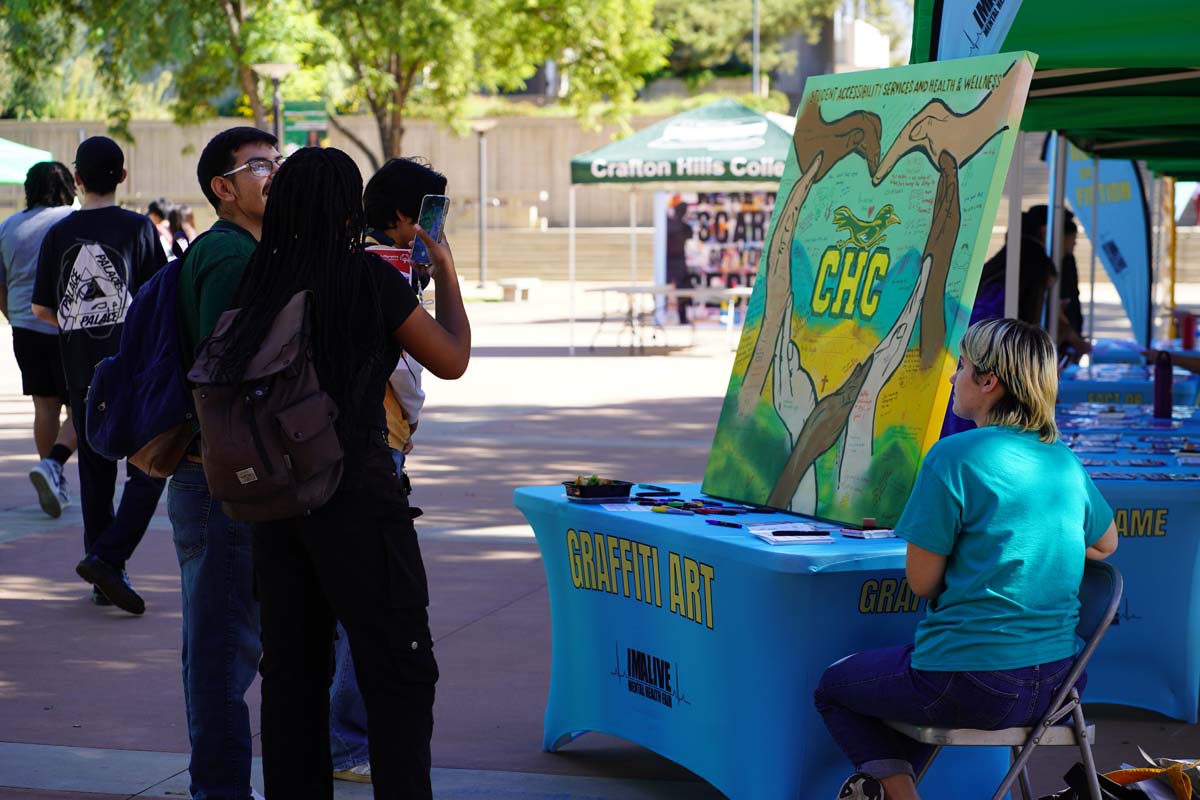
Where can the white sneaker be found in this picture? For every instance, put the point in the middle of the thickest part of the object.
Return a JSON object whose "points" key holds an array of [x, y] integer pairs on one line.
{"points": [[47, 479], [358, 774], [64, 499]]}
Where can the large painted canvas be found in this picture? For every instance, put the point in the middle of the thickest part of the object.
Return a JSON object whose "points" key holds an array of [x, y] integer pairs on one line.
{"points": [[865, 287]]}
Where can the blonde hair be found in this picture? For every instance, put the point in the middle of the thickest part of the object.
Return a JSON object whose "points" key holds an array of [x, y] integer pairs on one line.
{"points": [[1022, 357]]}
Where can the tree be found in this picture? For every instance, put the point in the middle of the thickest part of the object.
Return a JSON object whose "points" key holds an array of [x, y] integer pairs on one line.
{"points": [[397, 63], [705, 36], [206, 46], [371, 54]]}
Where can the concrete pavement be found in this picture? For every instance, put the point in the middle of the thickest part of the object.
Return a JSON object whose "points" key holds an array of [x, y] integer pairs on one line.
{"points": [[90, 699]]}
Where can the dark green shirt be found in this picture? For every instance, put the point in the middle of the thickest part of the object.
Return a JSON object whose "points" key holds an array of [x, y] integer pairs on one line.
{"points": [[209, 280]]}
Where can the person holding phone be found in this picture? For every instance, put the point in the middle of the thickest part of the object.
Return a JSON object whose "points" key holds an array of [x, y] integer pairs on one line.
{"points": [[999, 523], [356, 559], [391, 201]]}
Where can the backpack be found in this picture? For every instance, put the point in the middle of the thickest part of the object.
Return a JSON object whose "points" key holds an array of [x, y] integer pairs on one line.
{"points": [[269, 446], [139, 404]]}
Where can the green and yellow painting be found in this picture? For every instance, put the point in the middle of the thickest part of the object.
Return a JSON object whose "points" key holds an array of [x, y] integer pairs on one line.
{"points": [[865, 286]]}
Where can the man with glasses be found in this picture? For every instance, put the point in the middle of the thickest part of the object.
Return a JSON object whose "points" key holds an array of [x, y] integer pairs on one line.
{"points": [[221, 644]]}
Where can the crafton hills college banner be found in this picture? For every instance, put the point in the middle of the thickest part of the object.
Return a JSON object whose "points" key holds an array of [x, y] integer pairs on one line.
{"points": [[865, 286]]}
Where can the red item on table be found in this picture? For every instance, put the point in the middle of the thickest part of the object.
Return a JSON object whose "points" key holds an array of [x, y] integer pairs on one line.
{"points": [[1187, 330]]}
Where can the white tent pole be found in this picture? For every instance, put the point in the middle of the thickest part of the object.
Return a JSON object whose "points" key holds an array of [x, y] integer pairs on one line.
{"points": [[632, 237], [1156, 221], [1091, 334], [571, 269], [1054, 232], [1012, 264]]}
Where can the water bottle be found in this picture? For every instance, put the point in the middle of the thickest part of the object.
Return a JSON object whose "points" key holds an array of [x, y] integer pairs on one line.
{"points": [[1187, 330], [1162, 385]]}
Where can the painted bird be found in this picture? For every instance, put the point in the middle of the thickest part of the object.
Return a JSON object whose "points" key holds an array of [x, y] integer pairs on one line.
{"points": [[865, 234]]}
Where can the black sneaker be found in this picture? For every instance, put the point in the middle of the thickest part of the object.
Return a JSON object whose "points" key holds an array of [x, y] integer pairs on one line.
{"points": [[861, 787], [98, 598], [112, 582]]}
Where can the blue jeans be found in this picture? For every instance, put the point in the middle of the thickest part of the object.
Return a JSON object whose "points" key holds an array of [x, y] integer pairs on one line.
{"points": [[859, 691], [221, 635], [347, 711]]}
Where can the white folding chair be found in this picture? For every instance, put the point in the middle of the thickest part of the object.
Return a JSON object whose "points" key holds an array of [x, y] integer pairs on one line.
{"points": [[1099, 597]]}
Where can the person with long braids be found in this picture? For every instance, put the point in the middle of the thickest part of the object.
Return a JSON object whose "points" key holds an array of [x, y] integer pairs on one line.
{"points": [[355, 559]]}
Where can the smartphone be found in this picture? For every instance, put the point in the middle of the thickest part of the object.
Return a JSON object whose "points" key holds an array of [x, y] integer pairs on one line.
{"points": [[432, 218]]}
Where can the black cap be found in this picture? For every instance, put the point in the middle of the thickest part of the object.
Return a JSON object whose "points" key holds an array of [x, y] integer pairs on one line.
{"points": [[99, 160]]}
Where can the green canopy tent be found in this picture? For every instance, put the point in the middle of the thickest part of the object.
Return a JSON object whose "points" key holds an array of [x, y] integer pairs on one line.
{"points": [[16, 159], [1108, 76], [720, 147]]}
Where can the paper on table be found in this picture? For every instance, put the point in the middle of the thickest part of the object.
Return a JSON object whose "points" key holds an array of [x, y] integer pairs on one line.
{"points": [[871, 533], [770, 539], [625, 507], [767, 527]]}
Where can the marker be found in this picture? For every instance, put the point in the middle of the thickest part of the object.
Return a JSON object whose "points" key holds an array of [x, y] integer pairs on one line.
{"points": [[669, 510], [723, 523], [799, 533], [652, 487]]}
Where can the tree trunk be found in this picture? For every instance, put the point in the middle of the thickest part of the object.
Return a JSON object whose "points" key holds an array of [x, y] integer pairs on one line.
{"points": [[249, 84], [246, 79], [356, 140], [395, 135]]}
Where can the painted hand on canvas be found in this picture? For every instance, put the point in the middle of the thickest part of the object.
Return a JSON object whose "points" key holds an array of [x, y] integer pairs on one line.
{"points": [[817, 151], [854, 459], [794, 398]]}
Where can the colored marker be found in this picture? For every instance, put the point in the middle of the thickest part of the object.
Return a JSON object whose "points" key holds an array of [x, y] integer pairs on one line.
{"points": [[723, 523], [669, 510], [652, 487]]}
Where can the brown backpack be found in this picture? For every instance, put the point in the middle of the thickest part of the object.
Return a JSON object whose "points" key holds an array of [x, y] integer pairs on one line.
{"points": [[268, 442]]}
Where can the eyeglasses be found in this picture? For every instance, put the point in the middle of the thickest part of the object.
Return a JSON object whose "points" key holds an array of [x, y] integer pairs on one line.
{"points": [[259, 167]]}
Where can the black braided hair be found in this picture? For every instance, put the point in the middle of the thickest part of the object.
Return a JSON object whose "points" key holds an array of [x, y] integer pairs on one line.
{"points": [[49, 184], [312, 238]]}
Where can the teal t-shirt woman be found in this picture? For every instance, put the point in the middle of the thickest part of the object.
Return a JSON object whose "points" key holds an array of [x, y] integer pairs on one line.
{"points": [[999, 523]]}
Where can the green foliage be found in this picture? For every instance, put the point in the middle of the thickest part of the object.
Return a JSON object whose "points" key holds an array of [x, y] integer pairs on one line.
{"points": [[713, 38], [396, 64], [707, 35], [385, 57]]}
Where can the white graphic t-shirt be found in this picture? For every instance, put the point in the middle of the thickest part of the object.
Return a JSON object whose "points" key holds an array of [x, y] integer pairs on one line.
{"points": [[96, 291], [89, 268]]}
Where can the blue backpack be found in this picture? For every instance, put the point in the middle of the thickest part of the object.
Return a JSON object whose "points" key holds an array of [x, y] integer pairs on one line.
{"points": [[139, 405]]}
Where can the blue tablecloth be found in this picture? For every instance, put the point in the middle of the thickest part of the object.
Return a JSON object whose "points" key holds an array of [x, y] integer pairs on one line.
{"points": [[704, 644], [1151, 657], [1128, 351], [1122, 384]]}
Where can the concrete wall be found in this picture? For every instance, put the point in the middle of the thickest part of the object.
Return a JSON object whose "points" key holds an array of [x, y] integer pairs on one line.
{"points": [[528, 159]]}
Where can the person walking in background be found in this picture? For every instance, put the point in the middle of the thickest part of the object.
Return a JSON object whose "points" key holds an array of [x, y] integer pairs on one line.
{"points": [[183, 229], [159, 212], [678, 234], [356, 559], [221, 639], [49, 192], [90, 265]]}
